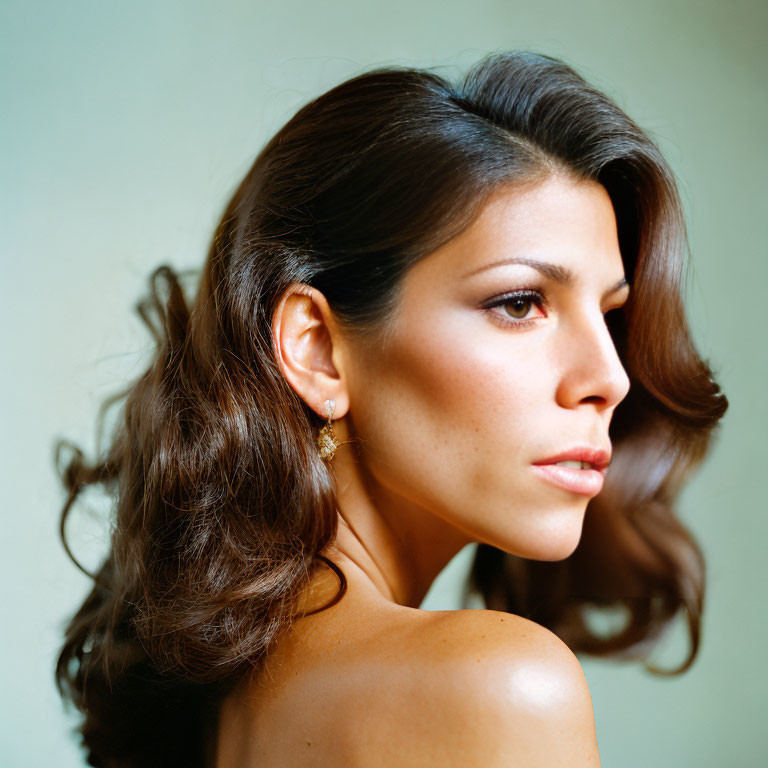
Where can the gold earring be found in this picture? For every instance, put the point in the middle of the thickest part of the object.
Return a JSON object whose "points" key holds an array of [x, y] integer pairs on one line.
{"points": [[327, 442]]}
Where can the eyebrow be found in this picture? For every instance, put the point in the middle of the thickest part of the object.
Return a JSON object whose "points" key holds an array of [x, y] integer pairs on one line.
{"points": [[556, 272]]}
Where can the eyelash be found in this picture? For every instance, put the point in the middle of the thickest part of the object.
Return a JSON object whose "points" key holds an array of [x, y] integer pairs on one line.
{"points": [[532, 295], [528, 294]]}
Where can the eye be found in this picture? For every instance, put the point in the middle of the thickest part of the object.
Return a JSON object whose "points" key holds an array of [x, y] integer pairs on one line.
{"points": [[521, 306], [516, 307]]}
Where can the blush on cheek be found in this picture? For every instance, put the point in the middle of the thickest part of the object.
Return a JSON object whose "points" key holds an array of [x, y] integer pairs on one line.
{"points": [[469, 381], [449, 385], [440, 375], [414, 417]]}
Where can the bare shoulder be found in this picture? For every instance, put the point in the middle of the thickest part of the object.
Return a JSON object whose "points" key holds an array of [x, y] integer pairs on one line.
{"points": [[503, 691], [413, 688]]}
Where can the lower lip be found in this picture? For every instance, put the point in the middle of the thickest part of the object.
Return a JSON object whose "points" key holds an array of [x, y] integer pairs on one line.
{"points": [[587, 482]]}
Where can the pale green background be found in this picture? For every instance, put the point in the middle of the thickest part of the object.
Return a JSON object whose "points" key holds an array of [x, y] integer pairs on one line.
{"points": [[124, 128]]}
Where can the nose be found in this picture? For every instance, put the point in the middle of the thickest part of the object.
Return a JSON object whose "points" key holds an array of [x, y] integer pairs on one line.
{"points": [[592, 371]]}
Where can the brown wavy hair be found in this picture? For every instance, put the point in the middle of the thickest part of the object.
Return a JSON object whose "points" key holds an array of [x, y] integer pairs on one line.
{"points": [[223, 505]]}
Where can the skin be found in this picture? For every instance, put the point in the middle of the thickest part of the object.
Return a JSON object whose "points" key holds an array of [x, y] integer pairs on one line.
{"points": [[441, 426]]}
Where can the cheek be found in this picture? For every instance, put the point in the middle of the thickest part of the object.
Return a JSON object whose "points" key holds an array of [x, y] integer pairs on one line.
{"points": [[451, 412]]}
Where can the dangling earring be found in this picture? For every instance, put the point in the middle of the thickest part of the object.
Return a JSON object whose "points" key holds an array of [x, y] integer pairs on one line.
{"points": [[327, 442]]}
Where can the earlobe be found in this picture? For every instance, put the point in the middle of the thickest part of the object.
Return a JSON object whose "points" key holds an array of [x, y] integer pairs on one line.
{"points": [[305, 338], [327, 442]]}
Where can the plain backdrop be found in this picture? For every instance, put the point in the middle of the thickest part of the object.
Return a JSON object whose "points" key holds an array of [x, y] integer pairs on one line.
{"points": [[125, 127]]}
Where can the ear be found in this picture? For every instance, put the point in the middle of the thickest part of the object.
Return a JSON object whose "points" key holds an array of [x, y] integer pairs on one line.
{"points": [[309, 349]]}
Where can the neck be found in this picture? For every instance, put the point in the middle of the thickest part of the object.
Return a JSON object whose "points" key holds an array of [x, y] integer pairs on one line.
{"points": [[398, 546]]}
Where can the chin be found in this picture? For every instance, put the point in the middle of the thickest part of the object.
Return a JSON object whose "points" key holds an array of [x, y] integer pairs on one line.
{"points": [[555, 543], [551, 549], [556, 553], [562, 545]]}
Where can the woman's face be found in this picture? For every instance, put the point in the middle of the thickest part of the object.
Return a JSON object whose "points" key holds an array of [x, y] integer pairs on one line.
{"points": [[501, 359]]}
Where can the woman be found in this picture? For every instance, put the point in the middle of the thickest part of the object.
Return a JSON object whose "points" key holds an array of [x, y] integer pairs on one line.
{"points": [[431, 315]]}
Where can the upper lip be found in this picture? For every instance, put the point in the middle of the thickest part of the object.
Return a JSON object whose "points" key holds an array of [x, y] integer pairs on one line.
{"points": [[597, 457]]}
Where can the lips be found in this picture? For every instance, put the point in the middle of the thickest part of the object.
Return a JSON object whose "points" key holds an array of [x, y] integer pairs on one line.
{"points": [[598, 458], [586, 481]]}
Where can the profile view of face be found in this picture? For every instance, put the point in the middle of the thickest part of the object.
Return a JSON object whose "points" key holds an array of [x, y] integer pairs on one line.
{"points": [[500, 360]]}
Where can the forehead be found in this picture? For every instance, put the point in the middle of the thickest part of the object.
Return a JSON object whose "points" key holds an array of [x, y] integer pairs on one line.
{"points": [[557, 220]]}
